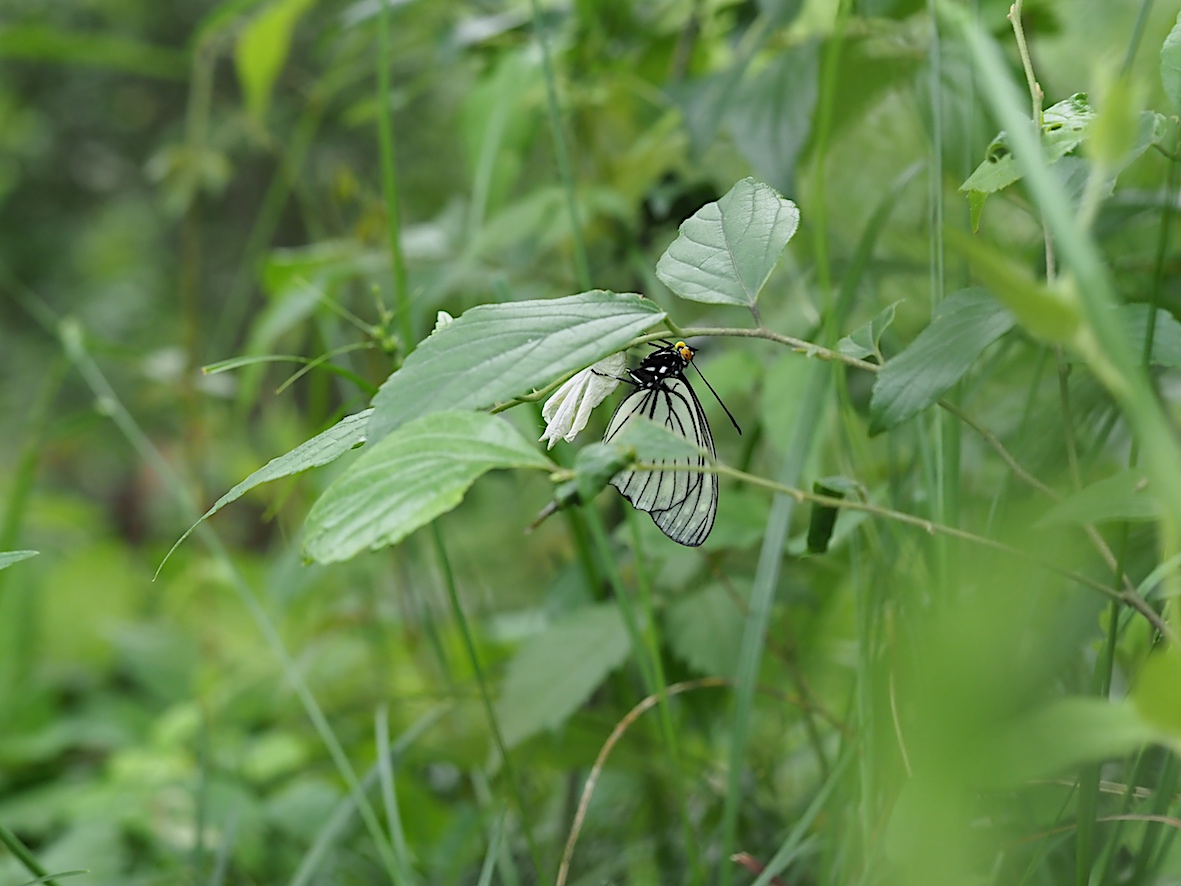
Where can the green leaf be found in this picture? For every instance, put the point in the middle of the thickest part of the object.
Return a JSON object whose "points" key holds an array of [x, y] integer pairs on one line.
{"points": [[770, 117], [1157, 693], [1122, 496], [553, 673], [1166, 335], [865, 340], [7, 558], [1051, 314], [93, 49], [726, 250], [703, 102], [60, 875], [704, 630], [964, 325], [1064, 126], [409, 478], [262, 50], [823, 519], [494, 353], [325, 447], [1069, 732], [654, 442], [1170, 65], [595, 465]]}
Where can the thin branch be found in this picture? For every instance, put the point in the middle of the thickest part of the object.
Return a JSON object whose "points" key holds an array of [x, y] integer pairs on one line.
{"points": [[1133, 600]]}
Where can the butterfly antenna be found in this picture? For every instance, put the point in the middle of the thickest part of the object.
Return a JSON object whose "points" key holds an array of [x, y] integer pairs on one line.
{"points": [[733, 421]]}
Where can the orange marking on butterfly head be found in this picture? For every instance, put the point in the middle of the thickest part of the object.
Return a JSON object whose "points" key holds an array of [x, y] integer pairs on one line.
{"points": [[684, 350]]}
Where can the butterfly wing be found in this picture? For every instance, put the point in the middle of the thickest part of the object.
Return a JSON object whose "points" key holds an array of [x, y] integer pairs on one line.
{"points": [[681, 502]]}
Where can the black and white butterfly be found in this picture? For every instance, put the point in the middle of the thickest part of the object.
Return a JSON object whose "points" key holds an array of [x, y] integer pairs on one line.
{"points": [[683, 503]]}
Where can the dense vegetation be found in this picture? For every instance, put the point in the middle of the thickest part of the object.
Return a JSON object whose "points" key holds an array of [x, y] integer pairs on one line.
{"points": [[932, 637]]}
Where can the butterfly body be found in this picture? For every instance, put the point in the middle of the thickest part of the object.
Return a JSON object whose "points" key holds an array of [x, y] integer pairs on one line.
{"points": [[678, 493]]}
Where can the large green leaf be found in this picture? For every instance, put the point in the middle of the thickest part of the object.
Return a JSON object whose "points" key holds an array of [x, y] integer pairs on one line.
{"points": [[770, 117], [94, 49], [726, 250], [7, 558], [262, 50], [1122, 496], [1049, 312], [1068, 732], [964, 325], [321, 449], [553, 673], [1170, 65], [704, 630], [1166, 334], [496, 352], [1157, 694], [409, 478]]}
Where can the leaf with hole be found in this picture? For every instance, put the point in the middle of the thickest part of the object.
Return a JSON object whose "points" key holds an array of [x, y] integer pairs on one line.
{"points": [[1064, 126]]}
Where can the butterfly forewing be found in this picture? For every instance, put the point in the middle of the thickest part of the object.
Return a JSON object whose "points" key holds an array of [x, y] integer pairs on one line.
{"points": [[683, 503]]}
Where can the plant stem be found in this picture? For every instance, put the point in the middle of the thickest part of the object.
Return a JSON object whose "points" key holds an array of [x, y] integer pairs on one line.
{"points": [[24, 856], [561, 151], [931, 528], [485, 697], [389, 182]]}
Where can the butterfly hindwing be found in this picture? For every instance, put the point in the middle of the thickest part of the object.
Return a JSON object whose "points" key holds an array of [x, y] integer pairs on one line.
{"points": [[682, 502]]}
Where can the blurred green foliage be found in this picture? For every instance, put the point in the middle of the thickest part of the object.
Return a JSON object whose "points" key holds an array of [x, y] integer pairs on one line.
{"points": [[184, 183]]}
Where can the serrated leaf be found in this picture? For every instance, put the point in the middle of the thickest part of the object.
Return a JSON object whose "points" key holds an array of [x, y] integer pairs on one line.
{"points": [[553, 673], [7, 558], [726, 250], [704, 630], [406, 480], [262, 49], [965, 323], [1124, 496], [325, 447], [494, 353], [863, 341], [1170, 65]]}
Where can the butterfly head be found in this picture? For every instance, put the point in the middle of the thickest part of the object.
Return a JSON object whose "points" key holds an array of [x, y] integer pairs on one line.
{"points": [[684, 350]]}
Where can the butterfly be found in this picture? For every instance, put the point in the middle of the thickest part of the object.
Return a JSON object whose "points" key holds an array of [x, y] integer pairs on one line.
{"points": [[682, 503]]}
